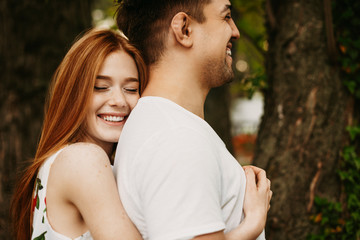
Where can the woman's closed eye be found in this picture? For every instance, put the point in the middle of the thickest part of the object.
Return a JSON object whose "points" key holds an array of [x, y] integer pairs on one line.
{"points": [[131, 90], [100, 88]]}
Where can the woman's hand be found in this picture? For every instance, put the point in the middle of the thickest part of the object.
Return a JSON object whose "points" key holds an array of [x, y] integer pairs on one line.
{"points": [[256, 205], [257, 197]]}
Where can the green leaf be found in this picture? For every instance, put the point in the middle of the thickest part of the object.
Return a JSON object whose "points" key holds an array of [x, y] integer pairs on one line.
{"points": [[41, 237], [353, 131], [350, 86], [38, 184], [37, 202]]}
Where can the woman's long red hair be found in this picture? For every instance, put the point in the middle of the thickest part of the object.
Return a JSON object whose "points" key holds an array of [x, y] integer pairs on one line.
{"points": [[65, 111]]}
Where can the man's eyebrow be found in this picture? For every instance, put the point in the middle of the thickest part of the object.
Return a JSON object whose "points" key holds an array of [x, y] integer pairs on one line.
{"points": [[226, 8]]}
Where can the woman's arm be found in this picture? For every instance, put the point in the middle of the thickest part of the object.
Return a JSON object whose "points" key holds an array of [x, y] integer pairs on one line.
{"points": [[83, 178]]}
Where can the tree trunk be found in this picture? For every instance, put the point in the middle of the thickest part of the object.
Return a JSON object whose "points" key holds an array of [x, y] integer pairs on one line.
{"points": [[302, 129], [217, 113], [34, 36]]}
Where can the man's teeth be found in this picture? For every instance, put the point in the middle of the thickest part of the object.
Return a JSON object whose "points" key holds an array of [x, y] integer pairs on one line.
{"points": [[113, 118], [228, 51]]}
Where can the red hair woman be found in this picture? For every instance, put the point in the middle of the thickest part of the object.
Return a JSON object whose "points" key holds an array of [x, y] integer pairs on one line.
{"points": [[69, 191]]}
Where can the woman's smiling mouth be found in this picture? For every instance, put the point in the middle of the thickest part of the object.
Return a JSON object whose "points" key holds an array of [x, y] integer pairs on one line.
{"points": [[111, 118]]}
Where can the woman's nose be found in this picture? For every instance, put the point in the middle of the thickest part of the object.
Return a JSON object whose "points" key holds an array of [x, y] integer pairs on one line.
{"points": [[117, 99]]}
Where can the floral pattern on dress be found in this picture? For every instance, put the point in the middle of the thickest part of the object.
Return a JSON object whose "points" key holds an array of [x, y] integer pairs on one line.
{"points": [[36, 204], [41, 237], [36, 200]]}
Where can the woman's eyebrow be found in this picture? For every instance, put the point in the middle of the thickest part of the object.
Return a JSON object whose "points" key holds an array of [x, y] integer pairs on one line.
{"points": [[131, 79], [128, 79], [103, 77]]}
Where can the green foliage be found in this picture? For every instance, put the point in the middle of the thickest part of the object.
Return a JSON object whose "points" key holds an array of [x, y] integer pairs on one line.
{"points": [[353, 131], [342, 220], [329, 217], [347, 25], [251, 47], [350, 175], [103, 13], [336, 220], [252, 83]]}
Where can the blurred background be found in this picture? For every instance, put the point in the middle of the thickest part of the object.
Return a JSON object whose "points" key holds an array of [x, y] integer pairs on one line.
{"points": [[293, 108]]}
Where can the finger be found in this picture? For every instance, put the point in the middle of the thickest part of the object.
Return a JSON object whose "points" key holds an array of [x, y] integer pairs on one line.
{"points": [[262, 181], [260, 176], [250, 177], [270, 195], [269, 199], [259, 172], [255, 169]]}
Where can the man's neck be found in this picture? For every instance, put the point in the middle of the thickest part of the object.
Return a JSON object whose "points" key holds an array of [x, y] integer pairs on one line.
{"points": [[179, 86]]}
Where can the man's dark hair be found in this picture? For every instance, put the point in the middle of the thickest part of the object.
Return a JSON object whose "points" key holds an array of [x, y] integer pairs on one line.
{"points": [[146, 22]]}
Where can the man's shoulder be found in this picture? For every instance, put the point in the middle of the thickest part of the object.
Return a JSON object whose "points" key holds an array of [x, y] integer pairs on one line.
{"points": [[166, 113], [146, 119], [154, 114], [157, 122]]}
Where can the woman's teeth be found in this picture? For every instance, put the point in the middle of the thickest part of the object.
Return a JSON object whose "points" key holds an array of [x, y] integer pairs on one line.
{"points": [[113, 118]]}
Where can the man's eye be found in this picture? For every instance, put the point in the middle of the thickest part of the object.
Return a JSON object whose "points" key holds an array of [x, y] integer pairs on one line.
{"points": [[227, 17]]}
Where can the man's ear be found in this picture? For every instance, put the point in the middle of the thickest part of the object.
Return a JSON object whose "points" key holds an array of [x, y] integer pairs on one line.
{"points": [[182, 29]]}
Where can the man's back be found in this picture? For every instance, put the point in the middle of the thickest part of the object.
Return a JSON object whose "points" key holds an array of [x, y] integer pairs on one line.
{"points": [[175, 177]]}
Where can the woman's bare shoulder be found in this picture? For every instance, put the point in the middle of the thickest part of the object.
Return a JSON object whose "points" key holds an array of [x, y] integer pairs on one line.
{"points": [[82, 153], [79, 161]]}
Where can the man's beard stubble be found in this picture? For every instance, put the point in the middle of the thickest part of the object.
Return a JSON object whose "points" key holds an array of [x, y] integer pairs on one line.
{"points": [[216, 73]]}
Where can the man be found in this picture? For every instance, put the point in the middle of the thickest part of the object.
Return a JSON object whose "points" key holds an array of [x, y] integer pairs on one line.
{"points": [[175, 176]]}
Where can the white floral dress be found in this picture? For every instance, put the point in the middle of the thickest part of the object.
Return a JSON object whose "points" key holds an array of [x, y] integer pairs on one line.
{"points": [[42, 229]]}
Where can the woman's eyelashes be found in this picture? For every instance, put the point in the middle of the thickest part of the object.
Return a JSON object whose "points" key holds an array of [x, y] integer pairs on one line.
{"points": [[131, 90], [125, 89], [98, 88]]}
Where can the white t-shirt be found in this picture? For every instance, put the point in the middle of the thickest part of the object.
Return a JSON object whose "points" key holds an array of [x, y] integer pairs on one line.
{"points": [[175, 176]]}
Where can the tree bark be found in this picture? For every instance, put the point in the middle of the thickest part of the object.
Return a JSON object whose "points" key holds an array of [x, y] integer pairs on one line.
{"points": [[217, 113], [34, 36], [302, 130]]}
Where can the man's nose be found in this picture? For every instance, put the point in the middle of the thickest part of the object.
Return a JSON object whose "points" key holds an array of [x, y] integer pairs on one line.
{"points": [[235, 31]]}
